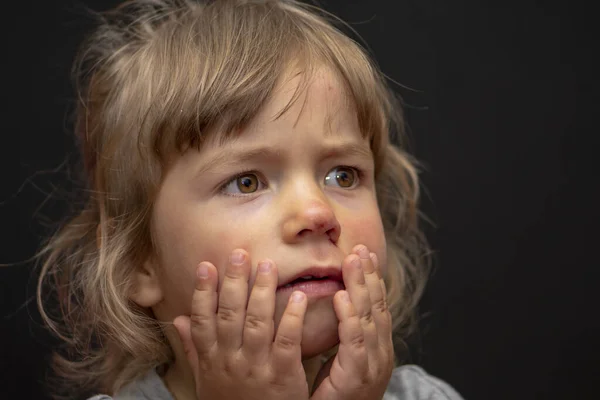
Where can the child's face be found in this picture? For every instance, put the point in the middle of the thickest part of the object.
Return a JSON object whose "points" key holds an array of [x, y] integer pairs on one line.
{"points": [[285, 195]]}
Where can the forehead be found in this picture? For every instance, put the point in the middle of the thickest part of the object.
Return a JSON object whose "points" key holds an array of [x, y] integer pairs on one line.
{"points": [[318, 93], [306, 115], [315, 104]]}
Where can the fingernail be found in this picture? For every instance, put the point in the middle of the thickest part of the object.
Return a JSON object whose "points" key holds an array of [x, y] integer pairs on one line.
{"points": [[345, 297], [264, 267], [297, 297], [363, 252], [237, 257], [355, 262], [202, 271]]}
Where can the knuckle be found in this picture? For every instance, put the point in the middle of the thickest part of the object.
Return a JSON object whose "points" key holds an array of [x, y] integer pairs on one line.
{"points": [[251, 374], [358, 341], [229, 366], [255, 323], [279, 384], [292, 316], [366, 318], [380, 306], [262, 283], [361, 283], [285, 342], [234, 275], [200, 320], [227, 314], [261, 293]]}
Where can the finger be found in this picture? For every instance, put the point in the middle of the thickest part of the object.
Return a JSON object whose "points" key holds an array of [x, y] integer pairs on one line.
{"points": [[352, 354], [373, 282], [232, 301], [258, 327], [355, 283], [380, 309], [203, 330], [375, 261], [183, 326], [377, 296], [286, 351]]}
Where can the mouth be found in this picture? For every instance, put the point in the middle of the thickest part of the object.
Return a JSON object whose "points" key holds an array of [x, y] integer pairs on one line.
{"points": [[315, 282]]}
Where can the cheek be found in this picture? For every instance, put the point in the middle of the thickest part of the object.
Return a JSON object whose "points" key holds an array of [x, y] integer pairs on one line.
{"points": [[184, 245], [182, 249], [367, 230]]}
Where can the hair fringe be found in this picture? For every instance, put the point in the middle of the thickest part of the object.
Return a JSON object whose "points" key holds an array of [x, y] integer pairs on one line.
{"points": [[144, 91]]}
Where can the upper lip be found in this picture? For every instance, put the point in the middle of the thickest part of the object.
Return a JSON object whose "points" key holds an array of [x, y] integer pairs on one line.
{"points": [[329, 271]]}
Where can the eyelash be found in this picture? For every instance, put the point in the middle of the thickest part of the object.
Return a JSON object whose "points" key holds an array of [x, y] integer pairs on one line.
{"points": [[359, 173]]}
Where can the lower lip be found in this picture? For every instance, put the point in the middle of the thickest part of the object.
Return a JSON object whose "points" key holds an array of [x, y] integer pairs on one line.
{"points": [[314, 288]]}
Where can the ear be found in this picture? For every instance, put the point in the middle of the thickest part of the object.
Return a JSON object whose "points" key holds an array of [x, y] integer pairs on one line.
{"points": [[146, 291]]}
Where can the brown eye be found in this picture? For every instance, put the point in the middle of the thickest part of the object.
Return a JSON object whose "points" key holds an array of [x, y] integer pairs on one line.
{"points": [[344, 177], [247, 183]]}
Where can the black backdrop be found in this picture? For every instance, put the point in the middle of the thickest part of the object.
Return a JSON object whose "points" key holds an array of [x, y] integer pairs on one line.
{"points": [[499, 105]]}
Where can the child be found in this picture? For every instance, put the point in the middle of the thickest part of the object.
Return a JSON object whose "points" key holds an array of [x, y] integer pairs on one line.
{"points": [[250, 231]]}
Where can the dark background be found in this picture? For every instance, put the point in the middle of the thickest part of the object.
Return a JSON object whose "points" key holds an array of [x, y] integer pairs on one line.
{"points": [[499, 106]]}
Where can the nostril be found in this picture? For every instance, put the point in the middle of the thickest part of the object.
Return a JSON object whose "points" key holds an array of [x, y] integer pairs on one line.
{"points": [[333, 236], [303, 232]]}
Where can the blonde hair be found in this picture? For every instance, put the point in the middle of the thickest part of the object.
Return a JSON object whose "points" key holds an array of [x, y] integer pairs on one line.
{"points": [[159, 76]]}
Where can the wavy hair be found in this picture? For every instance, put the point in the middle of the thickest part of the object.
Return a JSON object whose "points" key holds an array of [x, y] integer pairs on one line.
{"points": [[156, 77]]}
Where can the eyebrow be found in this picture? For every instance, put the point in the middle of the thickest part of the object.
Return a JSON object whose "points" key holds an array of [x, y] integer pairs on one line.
{"points": [[237, 157]]}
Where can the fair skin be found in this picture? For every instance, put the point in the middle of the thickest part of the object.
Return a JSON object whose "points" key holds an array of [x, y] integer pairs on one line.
{"points": [[292, 209]]}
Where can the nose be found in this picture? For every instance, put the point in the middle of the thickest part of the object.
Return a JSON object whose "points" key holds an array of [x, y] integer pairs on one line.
{"points": [[310, 216]]}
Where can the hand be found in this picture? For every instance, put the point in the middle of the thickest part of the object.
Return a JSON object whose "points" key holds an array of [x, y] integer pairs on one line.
{"points": [[363, 365], [230, 345]]}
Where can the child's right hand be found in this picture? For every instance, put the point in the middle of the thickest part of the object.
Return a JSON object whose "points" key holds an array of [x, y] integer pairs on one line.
{"points": [[229, 340]]}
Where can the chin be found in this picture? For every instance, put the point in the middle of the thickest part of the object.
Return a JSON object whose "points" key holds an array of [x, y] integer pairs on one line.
{"points": [[320, 331]]}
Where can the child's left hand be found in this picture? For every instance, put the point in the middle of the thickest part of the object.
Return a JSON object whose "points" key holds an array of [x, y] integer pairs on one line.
{"points": [[363, 365]]}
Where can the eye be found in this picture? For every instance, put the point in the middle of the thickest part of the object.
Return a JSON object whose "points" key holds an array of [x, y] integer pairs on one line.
{"points": [[245, 183], [345, 177]]}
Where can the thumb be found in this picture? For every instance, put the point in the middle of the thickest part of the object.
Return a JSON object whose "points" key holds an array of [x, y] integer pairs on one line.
{"points": [[183, 326]]}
